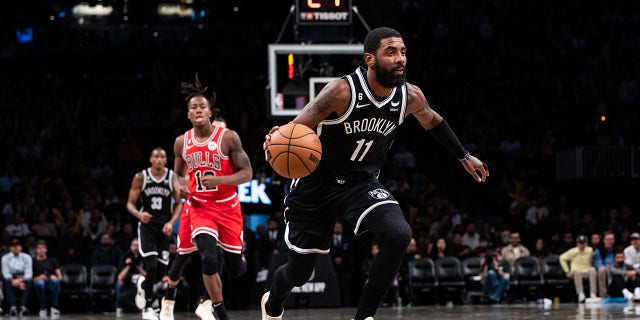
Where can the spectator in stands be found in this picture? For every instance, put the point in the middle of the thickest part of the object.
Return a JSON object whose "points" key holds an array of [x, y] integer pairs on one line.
{"points": [[458, 249], [43, 228], [471, 238], [271, 242], [495, 282], [130, 268], [17, 228], [8, 178], [596, 241], [342, 257], [106, 253], [577, 263], [632, 252], [623, 277], [403, 288], [46, 277], [540, 249], [439, 250], [603, 258], [125, 236], [567, 243], [366, 262], [514, 249], [17, 276]]}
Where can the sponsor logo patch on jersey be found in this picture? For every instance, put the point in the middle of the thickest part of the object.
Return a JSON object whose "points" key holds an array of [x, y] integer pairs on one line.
{"points": [[379, 194], [212, 145]]}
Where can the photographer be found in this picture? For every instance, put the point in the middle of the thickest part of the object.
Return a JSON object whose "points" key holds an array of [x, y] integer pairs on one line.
{"points": [[17, 274], [129, 270], [495, 281]]}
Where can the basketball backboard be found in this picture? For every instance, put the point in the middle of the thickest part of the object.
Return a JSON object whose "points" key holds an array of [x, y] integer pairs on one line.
{"points": [[297, 72]]}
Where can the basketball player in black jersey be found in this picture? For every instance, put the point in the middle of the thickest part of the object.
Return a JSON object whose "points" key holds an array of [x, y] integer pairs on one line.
{"points": [[160, 207], [356, 118]]}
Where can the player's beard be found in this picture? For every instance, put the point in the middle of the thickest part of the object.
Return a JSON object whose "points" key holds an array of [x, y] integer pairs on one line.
{"points": [[386, 77]]}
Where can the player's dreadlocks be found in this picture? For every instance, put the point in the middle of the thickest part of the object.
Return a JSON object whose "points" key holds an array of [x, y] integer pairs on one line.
{"points": [[195, 89]]}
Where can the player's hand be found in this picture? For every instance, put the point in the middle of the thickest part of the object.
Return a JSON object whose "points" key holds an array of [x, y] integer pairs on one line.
{"points": [[167, 229], [145, 217], [184, 191], [473, 165], [209, 181], [267, 140]]}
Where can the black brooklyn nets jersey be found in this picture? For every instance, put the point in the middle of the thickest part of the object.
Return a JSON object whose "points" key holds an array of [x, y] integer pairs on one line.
{"points": [[156, 195], [357, 143]]}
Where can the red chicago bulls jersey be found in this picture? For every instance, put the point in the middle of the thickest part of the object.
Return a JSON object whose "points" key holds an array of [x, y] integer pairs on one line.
{"points": [[205, 158]]}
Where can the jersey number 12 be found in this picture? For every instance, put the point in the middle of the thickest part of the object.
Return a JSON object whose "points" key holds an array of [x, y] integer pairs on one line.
{"points": [[200, 187]]}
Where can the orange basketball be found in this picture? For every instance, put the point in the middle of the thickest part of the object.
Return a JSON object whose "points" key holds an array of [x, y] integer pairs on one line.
{"points": [[294, 150]]}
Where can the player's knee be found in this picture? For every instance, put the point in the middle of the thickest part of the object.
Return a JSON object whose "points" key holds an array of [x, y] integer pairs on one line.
{"points": [[209, 262], [208, 247], [236, 264]]}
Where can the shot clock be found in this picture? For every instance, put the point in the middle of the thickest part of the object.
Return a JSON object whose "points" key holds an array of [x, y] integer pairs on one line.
{"points": [[323, 12]]}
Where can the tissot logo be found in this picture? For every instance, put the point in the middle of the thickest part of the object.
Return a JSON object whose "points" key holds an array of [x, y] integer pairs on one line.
{"points": [[324, 16]]}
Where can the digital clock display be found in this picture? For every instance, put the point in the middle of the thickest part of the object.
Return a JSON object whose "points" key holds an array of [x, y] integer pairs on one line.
{"points": [[323, 12]]}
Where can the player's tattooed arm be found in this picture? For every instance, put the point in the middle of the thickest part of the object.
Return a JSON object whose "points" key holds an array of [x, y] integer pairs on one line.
{"points": [[418, 105]]}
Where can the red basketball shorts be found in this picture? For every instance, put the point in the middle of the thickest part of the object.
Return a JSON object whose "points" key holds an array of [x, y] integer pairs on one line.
{"points": [[221, 219]]}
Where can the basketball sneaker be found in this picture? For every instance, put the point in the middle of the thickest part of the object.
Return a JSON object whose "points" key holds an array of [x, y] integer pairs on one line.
{"points": [[263, 303], [55, 313], [149, 314], [141, 301], [166, 311], [204, 310]]}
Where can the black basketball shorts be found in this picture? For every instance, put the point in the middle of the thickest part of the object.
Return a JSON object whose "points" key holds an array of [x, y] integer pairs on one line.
{"points": [[153, 242], [314, 204]]}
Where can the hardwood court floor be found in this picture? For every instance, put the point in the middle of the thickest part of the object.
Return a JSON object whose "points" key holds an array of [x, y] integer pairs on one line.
{"points": [[471, 312]]}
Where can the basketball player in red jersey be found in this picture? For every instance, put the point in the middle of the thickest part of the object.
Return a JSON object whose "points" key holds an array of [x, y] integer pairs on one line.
{"points": [[213, 162]]}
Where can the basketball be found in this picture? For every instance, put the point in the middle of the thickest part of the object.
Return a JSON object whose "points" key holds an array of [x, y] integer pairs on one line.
{"points": [[294, 150]]}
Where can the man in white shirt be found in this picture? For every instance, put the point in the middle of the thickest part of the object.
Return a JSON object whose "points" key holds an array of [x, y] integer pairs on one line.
{"points": [[17, 274], [632, 252]]}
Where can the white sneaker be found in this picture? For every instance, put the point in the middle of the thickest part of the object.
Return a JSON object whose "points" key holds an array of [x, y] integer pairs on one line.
{"points": [[581, 297], [118, 312], [204, 310], [43, 313], [627, 294], [140, 299], [636, 293], [55, 313], [149, 314], [263, 302], [166, 310]]}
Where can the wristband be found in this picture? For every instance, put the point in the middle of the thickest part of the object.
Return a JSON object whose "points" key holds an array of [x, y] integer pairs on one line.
{"points": [[443, 133]]}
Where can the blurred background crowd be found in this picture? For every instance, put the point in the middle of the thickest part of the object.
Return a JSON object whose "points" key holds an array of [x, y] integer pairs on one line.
{"points": [[519, 82]]}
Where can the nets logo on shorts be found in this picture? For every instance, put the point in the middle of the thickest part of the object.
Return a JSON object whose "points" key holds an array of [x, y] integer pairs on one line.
{"points": [[379, 194]]}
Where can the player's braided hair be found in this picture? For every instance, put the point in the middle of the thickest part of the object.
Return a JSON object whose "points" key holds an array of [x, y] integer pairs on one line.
{"points": [[196, 89]]}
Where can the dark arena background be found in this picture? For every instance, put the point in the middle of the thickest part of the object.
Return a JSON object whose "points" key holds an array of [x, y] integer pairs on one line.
{"points": [[545, 92]]}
